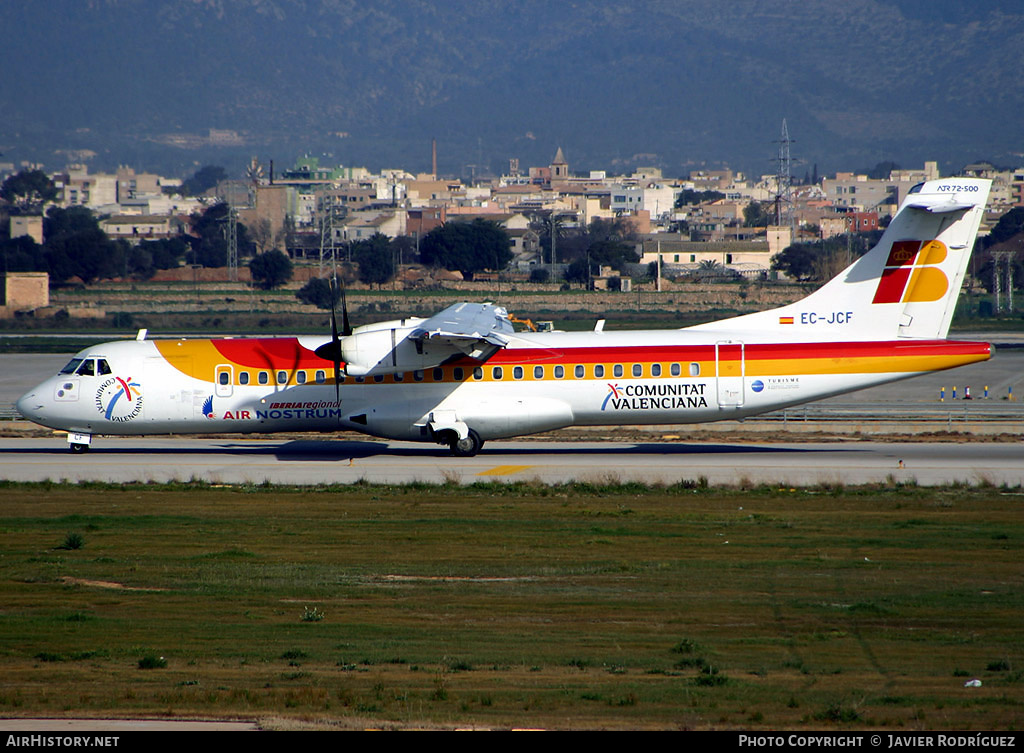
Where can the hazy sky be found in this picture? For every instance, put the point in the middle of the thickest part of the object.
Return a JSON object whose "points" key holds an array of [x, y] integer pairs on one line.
{"points": [[675, 83]]}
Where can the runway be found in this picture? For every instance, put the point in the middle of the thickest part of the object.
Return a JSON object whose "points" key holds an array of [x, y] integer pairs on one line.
{"points": [[341, 461], [349, 458]]}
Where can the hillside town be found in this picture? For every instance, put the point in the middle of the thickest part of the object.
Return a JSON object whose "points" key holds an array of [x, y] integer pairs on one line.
{"points": [[596, 230]]}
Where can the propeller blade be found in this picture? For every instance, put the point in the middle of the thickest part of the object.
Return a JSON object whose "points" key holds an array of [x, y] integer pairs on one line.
{"points": [[346, 326], [332, 351]]}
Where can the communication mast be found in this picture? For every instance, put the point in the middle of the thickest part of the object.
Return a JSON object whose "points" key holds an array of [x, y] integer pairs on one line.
{"points": [[328, 250], [1003, 259], [784, 181], [232, 228]]}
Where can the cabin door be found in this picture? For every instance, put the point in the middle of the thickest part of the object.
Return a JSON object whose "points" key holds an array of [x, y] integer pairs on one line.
{"points": [[730, 373]]}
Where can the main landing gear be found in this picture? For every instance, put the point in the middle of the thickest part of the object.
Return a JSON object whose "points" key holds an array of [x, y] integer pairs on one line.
{"points": [[468, 447]]}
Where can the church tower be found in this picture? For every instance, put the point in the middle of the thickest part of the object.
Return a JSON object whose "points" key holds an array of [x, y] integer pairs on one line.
{"points": [[559, 168]]}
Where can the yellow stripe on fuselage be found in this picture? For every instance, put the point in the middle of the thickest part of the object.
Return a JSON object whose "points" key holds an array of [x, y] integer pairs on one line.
{"points": [[201, 358]]}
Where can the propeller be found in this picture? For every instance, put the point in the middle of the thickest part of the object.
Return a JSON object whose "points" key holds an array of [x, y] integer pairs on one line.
{"points": [[332, 351]]}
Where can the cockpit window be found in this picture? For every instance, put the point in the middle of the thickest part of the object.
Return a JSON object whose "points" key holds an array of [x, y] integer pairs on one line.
{"points": [[102, 367], [87, 368], [917, 188], [73, 364]]}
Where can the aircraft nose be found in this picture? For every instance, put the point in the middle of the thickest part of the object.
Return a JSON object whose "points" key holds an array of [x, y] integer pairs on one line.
{"points": [[28, 405]]}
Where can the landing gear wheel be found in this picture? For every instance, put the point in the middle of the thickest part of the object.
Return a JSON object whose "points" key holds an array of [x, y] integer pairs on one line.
{"points": [[78, 448], [468, 447]]}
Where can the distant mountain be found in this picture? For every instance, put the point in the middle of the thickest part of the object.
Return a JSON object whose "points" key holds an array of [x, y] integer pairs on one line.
{"points": [[673, 83]]}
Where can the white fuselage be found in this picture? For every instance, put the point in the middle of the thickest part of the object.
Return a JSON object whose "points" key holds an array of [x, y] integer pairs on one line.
{"points": [[541, 381]]}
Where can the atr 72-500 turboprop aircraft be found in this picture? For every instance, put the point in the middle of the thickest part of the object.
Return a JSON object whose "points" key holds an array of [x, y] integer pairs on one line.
{"points": [[464, 376]]}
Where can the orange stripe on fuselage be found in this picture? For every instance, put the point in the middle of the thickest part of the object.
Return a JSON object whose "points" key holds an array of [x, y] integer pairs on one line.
{"points": [[199, 358]]}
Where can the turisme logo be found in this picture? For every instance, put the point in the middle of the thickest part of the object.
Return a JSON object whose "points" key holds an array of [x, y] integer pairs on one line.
{"points": [[757, 385], [912, 273], [119, 399]]}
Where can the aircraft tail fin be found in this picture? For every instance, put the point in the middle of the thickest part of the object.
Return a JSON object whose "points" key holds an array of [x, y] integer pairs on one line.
{"points": [[905, 287]]}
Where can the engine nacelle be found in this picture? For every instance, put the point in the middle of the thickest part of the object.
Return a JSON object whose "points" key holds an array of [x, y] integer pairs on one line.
{"points": [[384, 348]]}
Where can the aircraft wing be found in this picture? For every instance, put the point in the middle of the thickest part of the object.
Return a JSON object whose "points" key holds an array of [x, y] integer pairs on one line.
{"points": [[477, 329]]}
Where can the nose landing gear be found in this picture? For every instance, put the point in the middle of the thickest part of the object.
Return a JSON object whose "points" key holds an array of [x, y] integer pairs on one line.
{"points": [[78, 443]]}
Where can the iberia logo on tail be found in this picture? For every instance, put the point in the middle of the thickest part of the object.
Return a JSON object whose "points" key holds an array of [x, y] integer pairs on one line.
{"points": [[912, 273]]}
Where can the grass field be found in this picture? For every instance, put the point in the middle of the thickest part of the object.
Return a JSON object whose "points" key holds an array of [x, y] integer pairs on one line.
{"points": [[515, 606]]}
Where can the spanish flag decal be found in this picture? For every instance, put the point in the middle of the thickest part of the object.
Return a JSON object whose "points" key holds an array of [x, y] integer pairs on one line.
{"points": [[785, 320]]}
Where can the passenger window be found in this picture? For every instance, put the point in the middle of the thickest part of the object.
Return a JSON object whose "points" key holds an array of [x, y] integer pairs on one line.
{"points": [[559, 372], [538, 372], [638, 370], [517, 372], [578, 371], [599, 371], [694, 369], [656, 369], [399, 376], [497, 373], [264, 378], [478, 373], [282, 377], [300, 377], [417, 376], [458, 374], [321, 376], [378, 378], [438, 375], [243, 377], [617, 370], [222, 377], [675, 370], [102, 367]]}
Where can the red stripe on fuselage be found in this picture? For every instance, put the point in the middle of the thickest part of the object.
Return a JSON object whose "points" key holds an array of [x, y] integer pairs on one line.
{"points": [[269, 353]]}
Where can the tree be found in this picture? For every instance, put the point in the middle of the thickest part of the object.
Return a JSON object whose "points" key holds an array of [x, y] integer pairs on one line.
{"points": [[796, 261], [578, 272], [271, 269], [755, 215], [319, 293], [403, 247], [210, 246], [203, 180], [469, 247], [823, 260], [21, 254], [77, 247], [603, 241], [881, 170], [166, 253], [1008, 226], [262, 235], [375, 259], [613, 253], [28, 190], [689, 197]]}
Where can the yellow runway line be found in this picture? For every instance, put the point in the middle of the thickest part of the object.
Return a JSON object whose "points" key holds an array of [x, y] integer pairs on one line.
{"points": [[504, 470]]}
